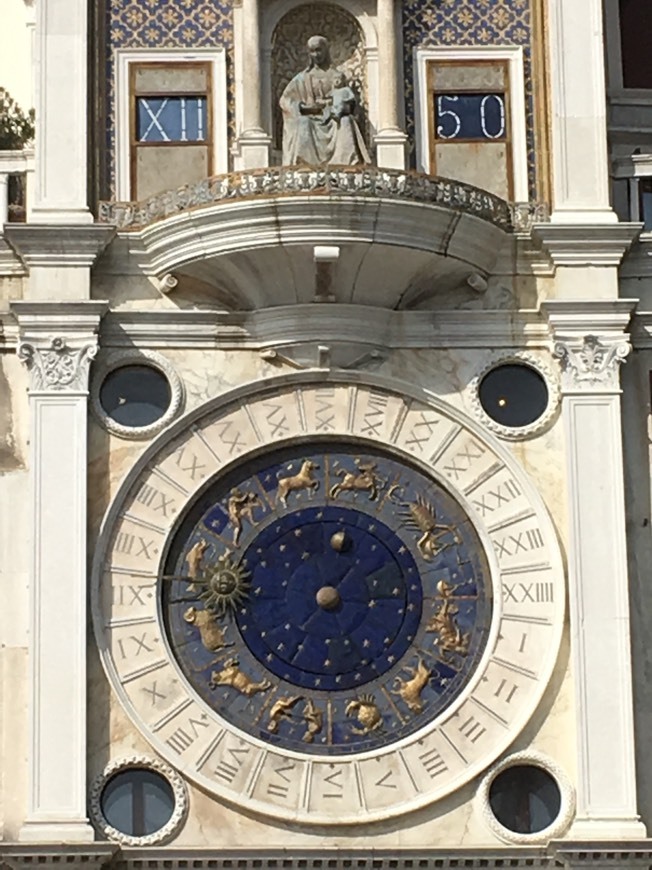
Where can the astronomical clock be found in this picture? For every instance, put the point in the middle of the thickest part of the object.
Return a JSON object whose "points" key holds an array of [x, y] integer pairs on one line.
{"points": [[328, 600]]}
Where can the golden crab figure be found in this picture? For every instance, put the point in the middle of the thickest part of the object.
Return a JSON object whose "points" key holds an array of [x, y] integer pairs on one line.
{"points": [[224, 586]]}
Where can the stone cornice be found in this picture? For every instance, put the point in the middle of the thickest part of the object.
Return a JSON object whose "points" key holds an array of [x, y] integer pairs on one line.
{"points": [[58, 245], [326, 323], [586, 244]]}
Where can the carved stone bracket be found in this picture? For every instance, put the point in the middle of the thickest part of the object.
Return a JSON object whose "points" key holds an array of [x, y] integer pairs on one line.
{"points": [[57, 366], [591, 363]]}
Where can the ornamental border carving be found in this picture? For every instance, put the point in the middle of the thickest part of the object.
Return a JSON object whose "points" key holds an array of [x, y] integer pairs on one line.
{"points": [[566, 791], [519, 433], [592, 362], [118, 359], [57, 366], [168, 830]]}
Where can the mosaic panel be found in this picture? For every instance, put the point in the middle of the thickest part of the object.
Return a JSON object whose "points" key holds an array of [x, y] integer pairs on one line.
{"points": [[166, 24], [198, 23], [469, 22]]}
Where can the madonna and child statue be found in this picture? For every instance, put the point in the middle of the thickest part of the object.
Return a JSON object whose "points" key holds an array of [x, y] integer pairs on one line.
{"points": [[318, 106]]}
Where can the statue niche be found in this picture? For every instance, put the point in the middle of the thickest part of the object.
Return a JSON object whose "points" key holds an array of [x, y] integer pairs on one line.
{"points": [[319, 87]]}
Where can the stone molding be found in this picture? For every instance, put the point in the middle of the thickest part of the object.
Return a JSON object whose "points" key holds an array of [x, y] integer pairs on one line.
{"points": [[524, 358], [566, 791], [570, 244], [136, 356], [57, 342], [171, 827], [58, 244]]}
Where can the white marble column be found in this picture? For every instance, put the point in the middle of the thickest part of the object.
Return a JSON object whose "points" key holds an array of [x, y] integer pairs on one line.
{"points": [[254, 142], [390, 140], [61, 64], [591, 343], [579, 128], [58, 342]]}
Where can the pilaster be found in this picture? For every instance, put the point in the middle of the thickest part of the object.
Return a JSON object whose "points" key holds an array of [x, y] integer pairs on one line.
{"points": [[254, 143], [591, 342], [390, 141], [58, 342], [579, 130], [61, 112]]}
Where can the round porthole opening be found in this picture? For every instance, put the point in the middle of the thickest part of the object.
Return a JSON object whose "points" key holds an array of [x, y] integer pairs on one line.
{"points": [[525, 799], [135, 395], [137, 802], [513, 395]]}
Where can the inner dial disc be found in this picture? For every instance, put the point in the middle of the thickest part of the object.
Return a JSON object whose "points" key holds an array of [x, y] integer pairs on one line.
{"points": [[331, 600]]}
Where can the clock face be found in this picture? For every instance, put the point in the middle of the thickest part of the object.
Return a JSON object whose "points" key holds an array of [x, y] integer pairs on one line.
{"points": [[326, 600], [331, 600]]}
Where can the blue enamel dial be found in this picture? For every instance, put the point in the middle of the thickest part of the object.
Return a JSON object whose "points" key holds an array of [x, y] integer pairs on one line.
{"points": [[329, 600]]}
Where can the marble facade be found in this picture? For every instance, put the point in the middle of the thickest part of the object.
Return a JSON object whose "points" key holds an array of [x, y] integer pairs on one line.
{"points": [[277, 283]]}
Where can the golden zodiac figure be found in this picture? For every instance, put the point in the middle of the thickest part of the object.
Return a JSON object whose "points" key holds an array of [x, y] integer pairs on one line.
{"points": [[232, 676], [364, 480], [366, 712], [450, 637], [210, 632], [194, 560], [281, 709], [410, 690], [314, 719], [421, 516], [304, 479], [241, 505]]}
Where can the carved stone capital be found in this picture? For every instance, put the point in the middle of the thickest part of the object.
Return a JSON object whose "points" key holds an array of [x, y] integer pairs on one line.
{"points": [[591, 363], [55, 365]]}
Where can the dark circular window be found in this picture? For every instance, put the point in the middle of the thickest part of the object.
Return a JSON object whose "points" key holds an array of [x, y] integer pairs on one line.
{"points": [[137, 802], [513, 395], [135, 395], [525, 799]]}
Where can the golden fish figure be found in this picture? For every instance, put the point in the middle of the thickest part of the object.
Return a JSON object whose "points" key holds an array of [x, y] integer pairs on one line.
{"points": [[210, 631], [232, 676], [450, 636], [410, 690], [366, 712], [281, 709], [314, 719]]}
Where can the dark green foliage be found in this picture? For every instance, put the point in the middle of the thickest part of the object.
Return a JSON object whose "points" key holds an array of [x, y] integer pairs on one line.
{"points": [[16, 127]]}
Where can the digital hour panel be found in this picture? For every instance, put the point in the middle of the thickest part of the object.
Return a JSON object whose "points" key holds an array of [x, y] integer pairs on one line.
{"points": [[171, 119], [468, 116]]}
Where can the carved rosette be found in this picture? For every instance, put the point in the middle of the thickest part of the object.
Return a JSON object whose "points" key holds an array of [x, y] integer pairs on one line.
{"points": [[56, 366], [591, 364]]}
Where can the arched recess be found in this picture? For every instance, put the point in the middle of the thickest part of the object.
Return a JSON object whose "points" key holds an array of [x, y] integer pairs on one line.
{"points": [[286, 26], [289, 54]]}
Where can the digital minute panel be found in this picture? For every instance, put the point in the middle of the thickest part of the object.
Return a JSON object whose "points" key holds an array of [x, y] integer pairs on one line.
{"points": [[470, 116]]}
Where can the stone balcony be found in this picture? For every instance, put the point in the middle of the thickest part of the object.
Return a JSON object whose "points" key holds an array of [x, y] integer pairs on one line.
{"points": [[282, 236]]}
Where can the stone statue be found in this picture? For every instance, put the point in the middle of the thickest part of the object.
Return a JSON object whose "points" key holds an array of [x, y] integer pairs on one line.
{"points": [[318, 107]]}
